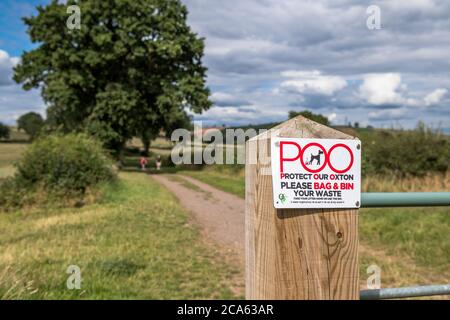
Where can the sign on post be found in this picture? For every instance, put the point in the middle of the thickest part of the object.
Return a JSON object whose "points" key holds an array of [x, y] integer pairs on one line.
{"points": [[316, 173], [303, 252]]}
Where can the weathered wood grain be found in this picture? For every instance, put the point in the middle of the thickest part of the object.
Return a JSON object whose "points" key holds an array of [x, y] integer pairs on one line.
{"points": [[296, 253]]}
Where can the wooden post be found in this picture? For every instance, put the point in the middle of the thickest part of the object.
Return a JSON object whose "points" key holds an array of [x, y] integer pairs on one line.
{"points": [[296, 253]]}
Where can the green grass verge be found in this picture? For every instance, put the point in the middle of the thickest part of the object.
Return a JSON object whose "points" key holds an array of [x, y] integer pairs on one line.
{"points": [[421, 233], [9, 153], [135, 244], [226, 180]]}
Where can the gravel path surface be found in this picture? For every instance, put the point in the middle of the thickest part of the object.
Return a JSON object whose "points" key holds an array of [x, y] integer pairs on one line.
{"points": [[220, 215]]}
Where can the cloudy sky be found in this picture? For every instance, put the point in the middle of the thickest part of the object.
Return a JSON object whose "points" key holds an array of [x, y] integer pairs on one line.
{"points": [[266, 57]]}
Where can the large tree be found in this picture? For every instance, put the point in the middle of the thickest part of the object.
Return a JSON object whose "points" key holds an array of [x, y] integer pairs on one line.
{"points": [[31, 123], [132, 69]]}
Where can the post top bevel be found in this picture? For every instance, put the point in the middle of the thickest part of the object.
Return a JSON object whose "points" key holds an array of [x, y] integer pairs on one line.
{"points": [[301, 127]]}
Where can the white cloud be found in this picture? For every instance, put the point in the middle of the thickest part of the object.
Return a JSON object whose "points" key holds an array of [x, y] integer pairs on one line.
{"points": [[332, 116], [435, 97], [218, 116], [388, 89], [14, 101], [410, 5], [384, 89], [312, 82], [223, 99], [390, 114], [221, 96], [6, 65]]}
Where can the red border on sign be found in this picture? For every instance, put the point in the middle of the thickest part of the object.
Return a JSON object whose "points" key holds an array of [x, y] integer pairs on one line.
{"points": [[351, 158]]}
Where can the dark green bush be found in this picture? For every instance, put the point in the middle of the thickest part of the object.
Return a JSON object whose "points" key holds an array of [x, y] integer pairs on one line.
{"points": [[4, 131], [66, 166], [405, 152], [166, 161]]}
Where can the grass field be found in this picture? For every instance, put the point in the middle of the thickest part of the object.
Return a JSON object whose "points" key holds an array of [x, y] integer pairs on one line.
{"points": [[137, 243], [411, 245], [9, 153], [18, 136], [221, 177]]}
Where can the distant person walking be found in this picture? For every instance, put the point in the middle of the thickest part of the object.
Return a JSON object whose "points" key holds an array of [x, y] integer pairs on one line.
{"points": [[158, 163], [143, 163]]}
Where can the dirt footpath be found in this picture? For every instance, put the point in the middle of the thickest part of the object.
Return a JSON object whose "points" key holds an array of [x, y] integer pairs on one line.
{"points": [[220, 215]]}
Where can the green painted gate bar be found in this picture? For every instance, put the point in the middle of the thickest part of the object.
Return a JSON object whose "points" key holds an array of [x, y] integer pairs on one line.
{"points": [[404, 199]]}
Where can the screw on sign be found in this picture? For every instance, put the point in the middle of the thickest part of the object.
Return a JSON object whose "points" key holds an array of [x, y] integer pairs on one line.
{"points": [[316, 173]]}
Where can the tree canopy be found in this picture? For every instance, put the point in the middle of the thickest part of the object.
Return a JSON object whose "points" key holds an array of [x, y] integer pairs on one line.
{"points": [[312, 116], [4, 131], [133, 67], [31, 123]]}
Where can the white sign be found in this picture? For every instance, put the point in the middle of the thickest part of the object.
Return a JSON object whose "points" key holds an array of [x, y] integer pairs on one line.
{"points": [[316, 173]]}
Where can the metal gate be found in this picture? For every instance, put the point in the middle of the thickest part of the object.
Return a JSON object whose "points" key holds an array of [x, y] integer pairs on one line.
{"points": [[405, 199]]}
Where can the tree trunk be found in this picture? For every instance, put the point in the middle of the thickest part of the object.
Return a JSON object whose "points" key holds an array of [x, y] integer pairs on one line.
{"points": [[120, 153], [146, 143]]}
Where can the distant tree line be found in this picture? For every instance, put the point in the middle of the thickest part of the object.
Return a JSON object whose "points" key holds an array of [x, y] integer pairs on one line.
{"points": [[312, 116], [31, 123], [4, 131], [405, 152]]}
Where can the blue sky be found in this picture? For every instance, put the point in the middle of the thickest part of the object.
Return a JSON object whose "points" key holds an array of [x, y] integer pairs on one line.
{"points": [[266, 57], [13, 41], [13, 36]]}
